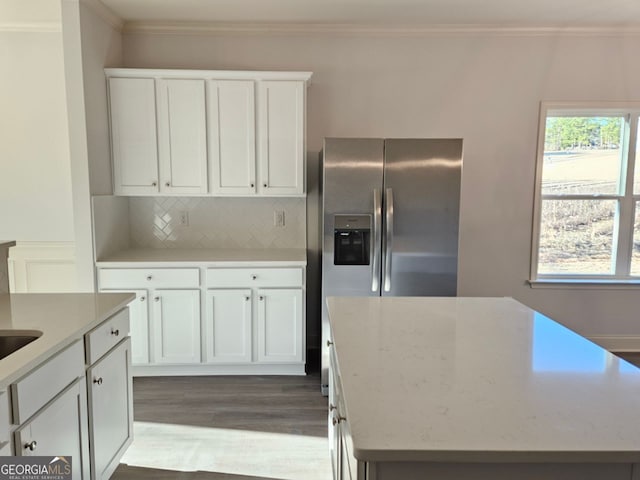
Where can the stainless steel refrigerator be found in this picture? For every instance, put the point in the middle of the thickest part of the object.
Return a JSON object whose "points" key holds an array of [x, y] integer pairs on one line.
{"points": [[390, 220]]}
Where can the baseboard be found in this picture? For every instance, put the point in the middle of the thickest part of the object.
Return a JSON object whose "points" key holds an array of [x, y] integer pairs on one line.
{"points": [[208, 369], [618, 343]]}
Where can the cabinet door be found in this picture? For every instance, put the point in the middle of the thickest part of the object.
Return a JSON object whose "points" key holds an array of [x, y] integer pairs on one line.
{"points": [[183, 136], [138, 325], [59, 429], [132, 103], [110, 409], [282, 126], [175, 326], [231, 124], [228, 326], [280, 328]]}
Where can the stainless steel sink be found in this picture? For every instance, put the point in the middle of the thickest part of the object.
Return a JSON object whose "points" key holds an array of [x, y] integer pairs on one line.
{"points": [[12, 340]]}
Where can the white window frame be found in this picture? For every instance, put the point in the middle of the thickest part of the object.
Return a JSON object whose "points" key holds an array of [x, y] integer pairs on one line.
{"points": [[623, 231]]}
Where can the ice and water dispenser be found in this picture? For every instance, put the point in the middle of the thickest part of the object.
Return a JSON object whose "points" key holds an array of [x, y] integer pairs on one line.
{"points": [[351, 239]]}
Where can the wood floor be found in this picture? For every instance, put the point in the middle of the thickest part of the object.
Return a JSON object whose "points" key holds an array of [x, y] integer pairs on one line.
{"points": [[235, 428]]}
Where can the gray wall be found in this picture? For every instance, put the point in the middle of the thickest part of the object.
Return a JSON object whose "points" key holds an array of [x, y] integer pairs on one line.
{"points": [[485, 88]]}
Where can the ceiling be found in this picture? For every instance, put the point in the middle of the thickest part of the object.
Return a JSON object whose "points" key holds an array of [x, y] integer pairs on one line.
{"points": [[417, 13]]}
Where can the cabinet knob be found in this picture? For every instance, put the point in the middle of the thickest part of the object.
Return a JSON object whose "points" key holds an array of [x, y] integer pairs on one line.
{"points": [[168, 184], [261, 297], [143, 298], [98, 381], [149, 277], [31, 445], [253, 277], [332, 407], [247, 298], [253, 185], [329, 343], [115, 332], [157, 299], [264, 184], [154, 184]]}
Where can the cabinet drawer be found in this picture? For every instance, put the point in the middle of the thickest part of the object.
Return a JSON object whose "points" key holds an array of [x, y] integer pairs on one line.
{"points": [[30, 393], [254, 277], [149, 278], [106, 336]]}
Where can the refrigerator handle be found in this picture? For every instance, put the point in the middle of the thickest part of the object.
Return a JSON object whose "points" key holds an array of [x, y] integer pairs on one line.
{"points": [[377, 238], [388, 197]]}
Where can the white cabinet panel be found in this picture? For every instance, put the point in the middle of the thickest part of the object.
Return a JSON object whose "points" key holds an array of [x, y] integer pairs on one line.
{"points": [[176, 326], [228, 326], [231, 123], [106, 336], [132, 105], [110, 404], [182, 136], [280, 325], [254, 277], [281, 122], [59, 429], [115, 278]]}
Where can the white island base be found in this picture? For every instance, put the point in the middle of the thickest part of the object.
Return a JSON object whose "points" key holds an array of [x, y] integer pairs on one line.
{"points": [[475, 389]]}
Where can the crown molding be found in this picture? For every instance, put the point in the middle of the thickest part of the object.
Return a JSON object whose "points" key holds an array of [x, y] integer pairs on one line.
{"points": [[99, 8], [203, 28], [31, 27]]}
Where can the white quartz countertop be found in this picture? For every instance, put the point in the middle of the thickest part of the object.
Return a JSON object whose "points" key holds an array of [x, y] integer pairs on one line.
{"points": [[62, 319], [198, 256], [479, 380]]}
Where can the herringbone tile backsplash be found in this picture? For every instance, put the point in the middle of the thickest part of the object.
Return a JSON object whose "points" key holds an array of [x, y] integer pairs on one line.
{"points": [[216, 222]]}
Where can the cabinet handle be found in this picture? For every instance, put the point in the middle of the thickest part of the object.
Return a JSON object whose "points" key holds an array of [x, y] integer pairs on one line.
{"points": [[115, 332], [142, 299], [337, 420], [154, 184], [261, 297], [329, 343], [149, 277], [98, 380], [253, 277], [168, 184], [157, 299], [31, 445]]}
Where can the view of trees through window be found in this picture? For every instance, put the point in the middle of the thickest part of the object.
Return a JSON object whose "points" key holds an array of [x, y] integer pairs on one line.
{"points": [[582, 163]]}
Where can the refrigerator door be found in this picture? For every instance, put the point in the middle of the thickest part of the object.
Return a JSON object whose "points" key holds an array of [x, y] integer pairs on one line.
{"points": [[421, 213], [352, 183]]}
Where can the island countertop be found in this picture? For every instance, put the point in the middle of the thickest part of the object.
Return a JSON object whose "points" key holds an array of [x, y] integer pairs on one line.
{"points": [[62, 319], [479, 380]]}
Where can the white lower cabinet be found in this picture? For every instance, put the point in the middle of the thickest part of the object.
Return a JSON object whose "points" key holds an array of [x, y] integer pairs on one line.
{"points": [[60, 428], [176, 326], [228, 326], [110, 404], [279, 325], [237, 320]]}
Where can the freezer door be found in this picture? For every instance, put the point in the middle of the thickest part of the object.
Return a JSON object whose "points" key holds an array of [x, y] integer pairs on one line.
{"points": [[352, 183], [420, 215]]}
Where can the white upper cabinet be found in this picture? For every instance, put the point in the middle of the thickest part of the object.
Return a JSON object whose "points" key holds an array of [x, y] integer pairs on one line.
{"points": [[191, 132], [281, 147], [133, 135], [232, 151], [182, 137]]}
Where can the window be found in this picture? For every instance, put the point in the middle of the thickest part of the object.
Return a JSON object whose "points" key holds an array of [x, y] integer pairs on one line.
{"points": [[587, 211]]}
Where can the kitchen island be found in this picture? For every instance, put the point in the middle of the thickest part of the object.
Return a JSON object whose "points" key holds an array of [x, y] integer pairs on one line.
{"points": [[67, 391], [475, 388]]}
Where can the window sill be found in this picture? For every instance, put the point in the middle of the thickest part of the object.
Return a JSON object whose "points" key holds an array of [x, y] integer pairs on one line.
{"points": [[585, 284]]}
